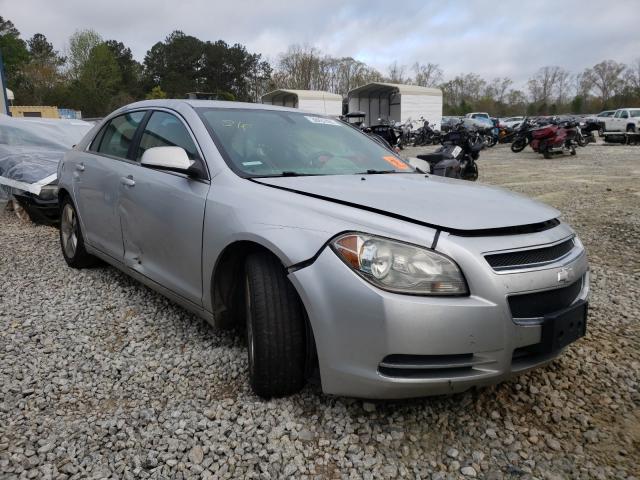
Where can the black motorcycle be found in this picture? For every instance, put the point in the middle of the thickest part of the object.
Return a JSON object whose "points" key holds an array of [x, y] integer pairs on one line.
{"points": [[457, 156], [585, 132], [426, 135], [522, 136]]}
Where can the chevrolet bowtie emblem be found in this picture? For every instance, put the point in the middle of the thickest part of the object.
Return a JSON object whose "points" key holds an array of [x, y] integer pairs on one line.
{"points": [[565, 275]]}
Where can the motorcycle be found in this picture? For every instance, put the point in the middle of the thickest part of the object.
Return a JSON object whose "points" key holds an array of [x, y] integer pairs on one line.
{"points": [[523, 135], [456, 158], [426, 135], [584, 133], [559, 137], [387, 131]]}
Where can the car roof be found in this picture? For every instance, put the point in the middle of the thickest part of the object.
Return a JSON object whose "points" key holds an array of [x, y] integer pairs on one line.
{"points": [[176, 103]]}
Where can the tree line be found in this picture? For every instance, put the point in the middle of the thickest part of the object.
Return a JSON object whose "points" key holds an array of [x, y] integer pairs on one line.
{"points": [[97, 76]]}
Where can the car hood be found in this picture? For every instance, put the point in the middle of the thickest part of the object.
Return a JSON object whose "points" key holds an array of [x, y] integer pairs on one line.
{"points": [[439, 202]]}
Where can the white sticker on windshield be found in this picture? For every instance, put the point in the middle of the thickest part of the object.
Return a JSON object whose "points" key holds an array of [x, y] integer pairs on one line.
{"points": [[251, 164], [456, 151], [322, 120]]}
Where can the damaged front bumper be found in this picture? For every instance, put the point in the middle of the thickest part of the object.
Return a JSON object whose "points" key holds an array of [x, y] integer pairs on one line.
{"points": [[376, 344]]}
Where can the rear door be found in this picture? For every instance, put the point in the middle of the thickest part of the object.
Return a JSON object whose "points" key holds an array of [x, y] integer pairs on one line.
{"points": [[162, 214], [98, 179]]}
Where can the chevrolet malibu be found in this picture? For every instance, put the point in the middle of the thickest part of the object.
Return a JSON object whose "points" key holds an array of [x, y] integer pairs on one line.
{"points": [[332, 253]]}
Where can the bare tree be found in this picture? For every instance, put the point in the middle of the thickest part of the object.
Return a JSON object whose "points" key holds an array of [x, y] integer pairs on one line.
{"points": [[429, 75], [582, 85], [606, 79], [562, 85], [304, 67], [544, 84], [497, 89], [397, 72], [633, 75], [466, 88]]}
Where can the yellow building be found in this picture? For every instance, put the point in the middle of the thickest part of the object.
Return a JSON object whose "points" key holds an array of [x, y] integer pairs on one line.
{"points": [[34, 111]]}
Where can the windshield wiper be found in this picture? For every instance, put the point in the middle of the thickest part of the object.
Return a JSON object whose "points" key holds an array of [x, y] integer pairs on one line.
{"points": [[373, 171], [287, 173]]}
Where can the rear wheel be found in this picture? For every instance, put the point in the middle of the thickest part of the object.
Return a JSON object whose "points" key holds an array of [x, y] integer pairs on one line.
{"points": [[276, 328], [71, 239], [518, 145], [631, 129]]}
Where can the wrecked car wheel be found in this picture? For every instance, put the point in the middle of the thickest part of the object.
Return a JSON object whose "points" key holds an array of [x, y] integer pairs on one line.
{"points": [[71, 240], [275, 328]]}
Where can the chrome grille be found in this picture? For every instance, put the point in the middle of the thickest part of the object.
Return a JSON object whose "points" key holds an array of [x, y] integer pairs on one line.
{"points": [[529, 258]]}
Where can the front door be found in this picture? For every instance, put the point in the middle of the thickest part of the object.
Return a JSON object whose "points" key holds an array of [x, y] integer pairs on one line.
{"points": [[162, 213]]}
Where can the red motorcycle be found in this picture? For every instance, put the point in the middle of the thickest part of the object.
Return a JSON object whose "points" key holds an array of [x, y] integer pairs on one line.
{"points": [[555, 138]]}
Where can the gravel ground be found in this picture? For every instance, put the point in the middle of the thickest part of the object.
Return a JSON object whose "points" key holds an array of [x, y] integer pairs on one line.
{"points": [[102, 377]]}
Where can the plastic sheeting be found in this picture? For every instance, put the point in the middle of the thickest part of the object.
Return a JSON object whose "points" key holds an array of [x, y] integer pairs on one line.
{"points": [[30, 150]]}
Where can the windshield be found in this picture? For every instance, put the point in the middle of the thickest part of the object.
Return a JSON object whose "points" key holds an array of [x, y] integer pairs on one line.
{"points": [[263, 143]]}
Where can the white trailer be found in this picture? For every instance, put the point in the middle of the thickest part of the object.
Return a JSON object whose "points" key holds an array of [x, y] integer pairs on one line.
{"points": [[396, 102], [312, 101]]}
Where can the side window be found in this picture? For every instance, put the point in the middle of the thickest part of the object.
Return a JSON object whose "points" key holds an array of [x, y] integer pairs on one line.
{"points": [[624, 114], [118, 134], [165, 130]]}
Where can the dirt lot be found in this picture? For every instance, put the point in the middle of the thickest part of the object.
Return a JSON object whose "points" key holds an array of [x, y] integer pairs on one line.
{"points": [[102, 377]]}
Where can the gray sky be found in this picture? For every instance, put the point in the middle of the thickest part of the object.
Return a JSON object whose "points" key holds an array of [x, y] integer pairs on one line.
{"points": [[490, 38]]}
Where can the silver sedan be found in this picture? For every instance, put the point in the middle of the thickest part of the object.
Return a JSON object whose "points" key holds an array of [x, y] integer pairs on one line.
{"points": [[332, 253]]}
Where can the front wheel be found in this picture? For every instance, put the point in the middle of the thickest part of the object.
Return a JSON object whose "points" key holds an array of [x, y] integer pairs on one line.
{"points": [[71, 239], [518, 145], [581, 140], [276, 328]]}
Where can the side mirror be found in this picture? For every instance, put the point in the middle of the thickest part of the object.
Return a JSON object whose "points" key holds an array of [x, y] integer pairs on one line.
{"points": [[167, 158], [419, 164]]}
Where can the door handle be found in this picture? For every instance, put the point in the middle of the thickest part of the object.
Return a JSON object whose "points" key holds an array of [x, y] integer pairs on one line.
{"points": [[128, 181], [80, 167]]}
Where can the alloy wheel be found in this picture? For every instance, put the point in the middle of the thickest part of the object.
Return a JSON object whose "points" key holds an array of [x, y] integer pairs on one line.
{"points": [[69, 230]]}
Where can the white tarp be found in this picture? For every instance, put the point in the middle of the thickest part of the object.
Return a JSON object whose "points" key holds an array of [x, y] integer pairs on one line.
{"points": [[30, 150]]}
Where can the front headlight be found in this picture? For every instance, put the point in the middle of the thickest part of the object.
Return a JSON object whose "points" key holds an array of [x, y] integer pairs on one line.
{"points": [[48, 192], [400, 267]]}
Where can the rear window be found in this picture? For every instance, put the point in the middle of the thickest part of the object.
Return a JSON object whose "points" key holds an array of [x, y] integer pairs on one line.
{"points": [[118, 134], [634, 113]]}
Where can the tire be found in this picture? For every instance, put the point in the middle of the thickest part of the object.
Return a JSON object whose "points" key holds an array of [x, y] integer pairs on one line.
{"points": [[631, 129], [276, 329], [547, 154], [581, 141], [572, 150], [71, 239], [518, 145]]}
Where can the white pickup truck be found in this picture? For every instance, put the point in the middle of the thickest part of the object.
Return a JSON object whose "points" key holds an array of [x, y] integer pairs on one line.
{"points": [[624, 120]]}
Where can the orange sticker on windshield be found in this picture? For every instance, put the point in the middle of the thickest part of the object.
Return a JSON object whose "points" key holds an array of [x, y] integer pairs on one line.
{"points": [[396, 162]]}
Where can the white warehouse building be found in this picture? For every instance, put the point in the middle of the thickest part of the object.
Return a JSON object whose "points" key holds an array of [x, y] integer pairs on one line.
{"points": [[396, 102], [312, 101]]}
